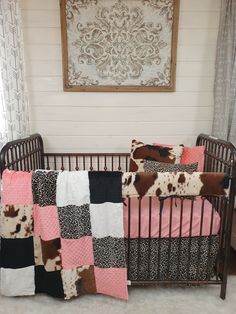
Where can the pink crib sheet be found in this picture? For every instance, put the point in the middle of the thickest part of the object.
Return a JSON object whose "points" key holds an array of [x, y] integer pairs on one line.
{"points": [[176, 218]]}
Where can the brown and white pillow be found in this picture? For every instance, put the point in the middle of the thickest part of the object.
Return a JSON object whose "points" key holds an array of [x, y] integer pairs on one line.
{"points": [[141, 152], [156, 166]]}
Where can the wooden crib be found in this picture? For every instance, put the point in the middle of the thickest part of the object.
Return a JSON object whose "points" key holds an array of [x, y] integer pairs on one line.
{"points": [[161, 256]]}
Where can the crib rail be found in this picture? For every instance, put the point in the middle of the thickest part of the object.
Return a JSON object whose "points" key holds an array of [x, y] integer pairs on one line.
{"points": [[87, 161], [220, 156], [23, 154]]}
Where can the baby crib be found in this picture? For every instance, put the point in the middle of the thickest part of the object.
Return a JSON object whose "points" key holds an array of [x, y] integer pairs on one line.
{"points": [[163, 244]]}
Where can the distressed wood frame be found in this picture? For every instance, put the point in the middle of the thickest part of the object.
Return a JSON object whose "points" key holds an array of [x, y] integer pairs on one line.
{"points": [[114, 88]]}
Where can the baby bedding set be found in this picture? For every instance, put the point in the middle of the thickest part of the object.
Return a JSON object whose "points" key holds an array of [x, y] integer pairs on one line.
{"points": [[65, 233], [188, 228]]}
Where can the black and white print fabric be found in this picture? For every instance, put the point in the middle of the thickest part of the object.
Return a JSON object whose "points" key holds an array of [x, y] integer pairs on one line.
{"points": [[192, 258], [74, 221], [156, 166], [109, 252], [44, 187]]}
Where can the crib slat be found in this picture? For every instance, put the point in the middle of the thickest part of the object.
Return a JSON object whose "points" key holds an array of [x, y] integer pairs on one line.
{"points": [[139, 233], [149, 237], [161, 205], [190, 240], [180, 237], [200, 237]]}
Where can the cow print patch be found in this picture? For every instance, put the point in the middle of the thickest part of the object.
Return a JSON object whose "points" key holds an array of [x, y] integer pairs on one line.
{"points": [[78, 281], [141, 152], [16, 221]]}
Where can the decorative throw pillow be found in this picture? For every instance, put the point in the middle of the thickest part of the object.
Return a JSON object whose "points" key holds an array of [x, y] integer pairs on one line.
{"points": [[156, 166], [190, 155], [194, 154], [141, 152]]}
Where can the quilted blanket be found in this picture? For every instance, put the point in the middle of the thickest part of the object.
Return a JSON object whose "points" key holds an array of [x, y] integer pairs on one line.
{"points": [[62, 234]]}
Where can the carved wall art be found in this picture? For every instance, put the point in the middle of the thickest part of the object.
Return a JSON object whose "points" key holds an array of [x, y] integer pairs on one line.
{"points": [[119, 45]]}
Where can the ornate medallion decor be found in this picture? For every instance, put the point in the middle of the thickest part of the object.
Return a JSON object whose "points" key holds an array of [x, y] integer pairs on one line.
{"points": [[119, 45]]}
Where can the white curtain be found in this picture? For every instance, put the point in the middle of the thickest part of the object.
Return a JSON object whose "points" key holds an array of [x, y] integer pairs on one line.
{"points": [[14, 114], [224, 122]]}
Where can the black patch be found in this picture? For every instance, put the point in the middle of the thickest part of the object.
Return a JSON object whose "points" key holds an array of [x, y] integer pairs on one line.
{"points": [[48, 282], [105, 186], [17, 253]]}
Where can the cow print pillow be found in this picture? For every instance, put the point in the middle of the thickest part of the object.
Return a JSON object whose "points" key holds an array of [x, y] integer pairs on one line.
{"points": [[155, 166], [141, 152]]}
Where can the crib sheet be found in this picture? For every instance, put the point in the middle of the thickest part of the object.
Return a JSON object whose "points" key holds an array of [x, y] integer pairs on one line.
{"points": [[209, 214]]}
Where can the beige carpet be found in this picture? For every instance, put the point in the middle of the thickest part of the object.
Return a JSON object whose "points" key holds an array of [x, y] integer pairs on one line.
{"points": [[161, 300]]}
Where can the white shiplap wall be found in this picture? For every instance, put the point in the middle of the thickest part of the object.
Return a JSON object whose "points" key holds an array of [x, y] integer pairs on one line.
{"points": [[108, 121]]}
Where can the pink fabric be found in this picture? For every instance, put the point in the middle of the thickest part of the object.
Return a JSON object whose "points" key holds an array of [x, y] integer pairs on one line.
{"points": [[75, 253], [16, 187], [190, 155], [112, 281], [176, 212], [46, 222], [193, 154]]}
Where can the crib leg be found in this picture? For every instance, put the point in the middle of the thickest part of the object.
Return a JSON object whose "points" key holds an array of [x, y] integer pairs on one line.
{"points": [[223, 290]]}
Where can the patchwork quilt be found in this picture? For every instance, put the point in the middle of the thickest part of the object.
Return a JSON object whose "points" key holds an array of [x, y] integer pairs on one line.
{"points": [[62, 233]]}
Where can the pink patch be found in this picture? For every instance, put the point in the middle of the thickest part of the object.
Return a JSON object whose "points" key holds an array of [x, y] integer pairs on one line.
{"points": [[75, 253], [47, 222], [112, 281], [17, 187], [190, 155]]}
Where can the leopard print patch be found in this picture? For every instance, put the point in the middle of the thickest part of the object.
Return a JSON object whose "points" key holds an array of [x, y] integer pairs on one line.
{"points": [[155, 166], [74, 221], [44, 187], [109, 252]]}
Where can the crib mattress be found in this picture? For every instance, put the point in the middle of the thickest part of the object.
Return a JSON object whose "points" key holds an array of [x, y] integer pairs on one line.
{"points": [[171, 227]]}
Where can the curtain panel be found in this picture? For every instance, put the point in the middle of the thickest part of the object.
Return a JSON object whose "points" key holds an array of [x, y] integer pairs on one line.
{"points": [[224, 122], [14, 113]]}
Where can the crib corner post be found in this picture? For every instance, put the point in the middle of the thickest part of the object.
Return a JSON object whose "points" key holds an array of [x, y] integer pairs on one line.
{"points": [[223, 289]]}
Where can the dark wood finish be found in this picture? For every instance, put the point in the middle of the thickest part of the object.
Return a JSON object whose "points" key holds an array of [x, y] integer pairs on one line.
{"points": [[232, 262]]}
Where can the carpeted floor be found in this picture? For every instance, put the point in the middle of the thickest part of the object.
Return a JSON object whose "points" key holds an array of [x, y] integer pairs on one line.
{"points": [[161, 300]]}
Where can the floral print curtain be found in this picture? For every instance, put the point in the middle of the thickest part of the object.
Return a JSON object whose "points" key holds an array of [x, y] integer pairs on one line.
{"points": [[14, 114], [224, 123]]}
